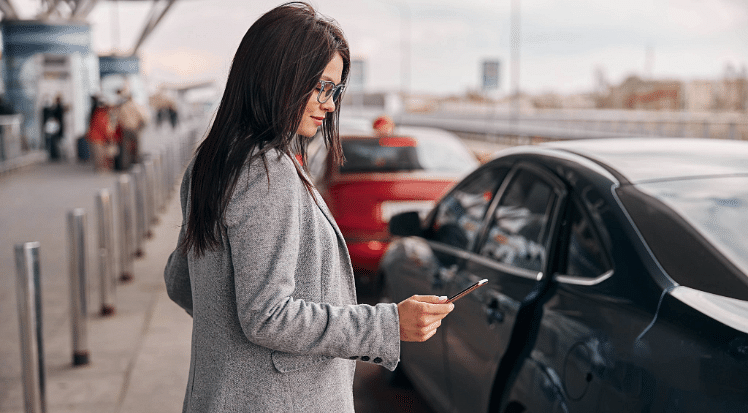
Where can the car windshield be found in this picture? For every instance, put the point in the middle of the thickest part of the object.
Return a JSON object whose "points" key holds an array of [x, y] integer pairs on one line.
{"points": [[716, 207], [404, 153]]}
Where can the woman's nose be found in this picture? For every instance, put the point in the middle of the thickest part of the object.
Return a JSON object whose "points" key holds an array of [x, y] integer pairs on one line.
{"points": [[329, 106]]}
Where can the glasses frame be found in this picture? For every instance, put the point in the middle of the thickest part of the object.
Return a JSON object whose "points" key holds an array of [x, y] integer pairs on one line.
{"points": [[337, 91]]}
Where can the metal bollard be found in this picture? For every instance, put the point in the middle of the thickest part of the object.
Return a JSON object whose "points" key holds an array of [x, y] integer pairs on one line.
{"points": [[166, 170], [150, 196], [139, 202], [166, 173], [106, 251], [124, 195], [28, 295], [156, 185], [79, 315], [173, 168], [160, 186]]}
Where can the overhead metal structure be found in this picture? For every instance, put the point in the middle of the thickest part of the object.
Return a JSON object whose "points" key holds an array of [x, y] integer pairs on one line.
{"points": [[78, 11], [158, 11]]}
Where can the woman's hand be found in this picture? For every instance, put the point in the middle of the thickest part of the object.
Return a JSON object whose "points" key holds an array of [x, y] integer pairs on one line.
{"points": [[421, 315]]}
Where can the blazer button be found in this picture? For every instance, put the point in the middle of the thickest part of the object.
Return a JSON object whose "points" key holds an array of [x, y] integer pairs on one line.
{"points": [[364, 358], [377, 359], [353, 357]]}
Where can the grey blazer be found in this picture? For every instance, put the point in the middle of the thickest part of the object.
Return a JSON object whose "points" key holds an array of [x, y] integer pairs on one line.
{"points": [[276, 327]]}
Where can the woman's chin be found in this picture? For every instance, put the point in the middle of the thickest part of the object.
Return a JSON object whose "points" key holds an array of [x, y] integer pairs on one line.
{"points": [[307, 133]]}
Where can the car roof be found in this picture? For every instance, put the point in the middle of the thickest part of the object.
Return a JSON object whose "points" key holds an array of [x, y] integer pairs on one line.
{"points": [[645, 159]]}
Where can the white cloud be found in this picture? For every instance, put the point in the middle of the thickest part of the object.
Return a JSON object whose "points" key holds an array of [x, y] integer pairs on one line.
{"points": [[706, 18]]}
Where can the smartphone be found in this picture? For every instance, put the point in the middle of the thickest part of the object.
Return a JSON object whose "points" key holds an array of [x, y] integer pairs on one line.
{"points": [[467, 291]]}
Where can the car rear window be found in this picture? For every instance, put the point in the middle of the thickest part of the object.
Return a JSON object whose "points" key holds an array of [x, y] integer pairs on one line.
{"points": [[403, 153], [697, 229]]}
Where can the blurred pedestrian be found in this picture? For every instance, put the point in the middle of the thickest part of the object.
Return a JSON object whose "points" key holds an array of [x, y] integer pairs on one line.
{"points": [[261, 265], [383, 126], [53, 116], [131, 120], [173, 117], [162, 115], [100, 136]]}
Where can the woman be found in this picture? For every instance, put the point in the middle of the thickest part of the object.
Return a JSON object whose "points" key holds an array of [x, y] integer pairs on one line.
{"points": [[261, 265]]}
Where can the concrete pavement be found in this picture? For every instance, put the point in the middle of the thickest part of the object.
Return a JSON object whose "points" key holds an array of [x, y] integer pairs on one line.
{"points": [[139, 357]]}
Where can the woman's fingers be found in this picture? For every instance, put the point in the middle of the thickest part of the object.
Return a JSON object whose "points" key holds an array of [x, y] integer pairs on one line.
{"points": [[421, 315]]}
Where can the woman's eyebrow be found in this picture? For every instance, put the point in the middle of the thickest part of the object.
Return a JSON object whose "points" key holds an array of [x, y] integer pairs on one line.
{"points": [[328, 78]]}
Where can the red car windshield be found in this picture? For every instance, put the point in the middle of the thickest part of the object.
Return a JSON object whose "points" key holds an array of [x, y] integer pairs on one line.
{"points": [[405, 154]]}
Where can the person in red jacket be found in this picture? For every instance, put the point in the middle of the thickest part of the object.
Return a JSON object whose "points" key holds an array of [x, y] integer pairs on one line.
{"points": [[99, 135], [383, 126]]}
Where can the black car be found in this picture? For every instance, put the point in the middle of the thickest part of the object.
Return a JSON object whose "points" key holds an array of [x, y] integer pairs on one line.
{"points": [[617, 280]]}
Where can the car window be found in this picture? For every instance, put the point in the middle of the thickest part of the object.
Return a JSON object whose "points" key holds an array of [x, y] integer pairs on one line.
{"points": [[696, 228], [367, 155], [517, 232], [586, 256], [403, 153], [446, 155], [459, 215]]}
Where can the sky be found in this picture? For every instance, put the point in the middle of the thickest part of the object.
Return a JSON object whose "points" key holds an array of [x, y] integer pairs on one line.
{"points": [[438, 46]]}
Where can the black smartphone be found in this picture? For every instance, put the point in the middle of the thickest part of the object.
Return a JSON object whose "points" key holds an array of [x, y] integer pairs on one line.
{"points": [[467, 291]]}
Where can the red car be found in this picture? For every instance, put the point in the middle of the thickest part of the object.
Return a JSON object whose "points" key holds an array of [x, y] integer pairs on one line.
{"points": [[382, 176]]}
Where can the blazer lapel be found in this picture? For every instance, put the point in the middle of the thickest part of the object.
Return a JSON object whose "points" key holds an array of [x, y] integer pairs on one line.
{"points": [[323, 207], [326, 212]]}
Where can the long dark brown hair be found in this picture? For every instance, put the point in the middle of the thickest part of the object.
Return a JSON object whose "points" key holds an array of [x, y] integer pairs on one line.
{"points": [[275, 71]]}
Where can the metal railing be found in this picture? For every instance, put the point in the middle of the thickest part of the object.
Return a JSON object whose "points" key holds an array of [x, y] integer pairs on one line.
{"points": [[582, 124], [13, 151]]}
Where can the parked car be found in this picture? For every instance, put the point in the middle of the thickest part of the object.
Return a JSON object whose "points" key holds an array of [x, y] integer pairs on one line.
{"points": [[617, 280], [382, 176]]}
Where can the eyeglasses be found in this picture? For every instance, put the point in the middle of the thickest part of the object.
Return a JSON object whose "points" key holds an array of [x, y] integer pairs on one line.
{"points": [[329, 90]]}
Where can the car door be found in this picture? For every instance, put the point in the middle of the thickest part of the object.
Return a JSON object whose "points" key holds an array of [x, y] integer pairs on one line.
{"points": [[425, 265], [571, 346], [512, 256]]}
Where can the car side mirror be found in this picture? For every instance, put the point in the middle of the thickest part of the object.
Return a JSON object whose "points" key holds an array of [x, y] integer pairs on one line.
{"points": [[405, 224]]}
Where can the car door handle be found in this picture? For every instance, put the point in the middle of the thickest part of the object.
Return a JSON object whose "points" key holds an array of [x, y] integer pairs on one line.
{"points": [[494, 312]]}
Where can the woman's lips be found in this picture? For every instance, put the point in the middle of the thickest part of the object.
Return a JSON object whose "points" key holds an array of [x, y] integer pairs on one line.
{"points": [[318, 121]]}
